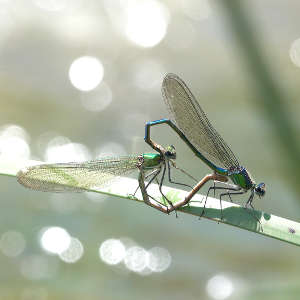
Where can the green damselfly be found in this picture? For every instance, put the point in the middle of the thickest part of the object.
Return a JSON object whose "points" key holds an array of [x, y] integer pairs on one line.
{"points": [[189, 121], [83, 176]]}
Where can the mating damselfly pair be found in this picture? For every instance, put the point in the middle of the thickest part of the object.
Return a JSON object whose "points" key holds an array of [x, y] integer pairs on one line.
{"points": [[189, 121]]}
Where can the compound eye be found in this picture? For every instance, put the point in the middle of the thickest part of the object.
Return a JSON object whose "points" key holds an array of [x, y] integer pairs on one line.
{"points": [[170, 154], [260, 189]]}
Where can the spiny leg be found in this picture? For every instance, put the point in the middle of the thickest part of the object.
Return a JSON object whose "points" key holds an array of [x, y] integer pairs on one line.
{"points": [[249, 202], [154, 203], [154, 177], [214, 187], [156, 173], [183, 171], [170, 179], [159, 203], [179, 183], [203, 210], [150, 181], [147, 176], [228, 194], [198, 186], [160, 188]]}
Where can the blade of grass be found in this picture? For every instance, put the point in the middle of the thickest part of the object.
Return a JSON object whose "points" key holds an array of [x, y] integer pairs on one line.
{"points": [[234, 215]]}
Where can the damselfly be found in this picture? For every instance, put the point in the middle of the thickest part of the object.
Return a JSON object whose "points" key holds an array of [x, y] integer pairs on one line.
{"points": [[189, 121], [82, 176]]}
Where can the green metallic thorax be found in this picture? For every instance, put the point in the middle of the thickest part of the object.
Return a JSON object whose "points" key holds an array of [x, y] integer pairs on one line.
{"points": [[151, 160], [243, 179]]}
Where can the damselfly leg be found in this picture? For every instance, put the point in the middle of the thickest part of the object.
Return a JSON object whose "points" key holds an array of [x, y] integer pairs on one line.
{"points": [[232, 190]]}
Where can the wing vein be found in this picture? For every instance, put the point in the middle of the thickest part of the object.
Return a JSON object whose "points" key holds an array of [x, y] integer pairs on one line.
{"points": [[187, 113]]}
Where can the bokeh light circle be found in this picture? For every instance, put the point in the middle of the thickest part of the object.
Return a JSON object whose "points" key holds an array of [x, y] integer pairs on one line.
{"points": [[86, 73], [55, 240], [159, 259], [112, 251], [147, 22], [73, 253], [219, 287], [136, 259], [14, 142]]}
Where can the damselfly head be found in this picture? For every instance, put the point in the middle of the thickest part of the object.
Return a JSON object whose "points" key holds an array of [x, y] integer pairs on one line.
{"points": [[170, 152], [260, 189]]}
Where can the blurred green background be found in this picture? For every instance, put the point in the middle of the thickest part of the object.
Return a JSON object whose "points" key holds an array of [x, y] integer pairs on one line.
{"points": [[79, 79]]}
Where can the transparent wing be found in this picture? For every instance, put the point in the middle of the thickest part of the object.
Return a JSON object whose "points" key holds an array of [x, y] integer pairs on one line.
{"points": [[76, 177], [186, 112]]}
